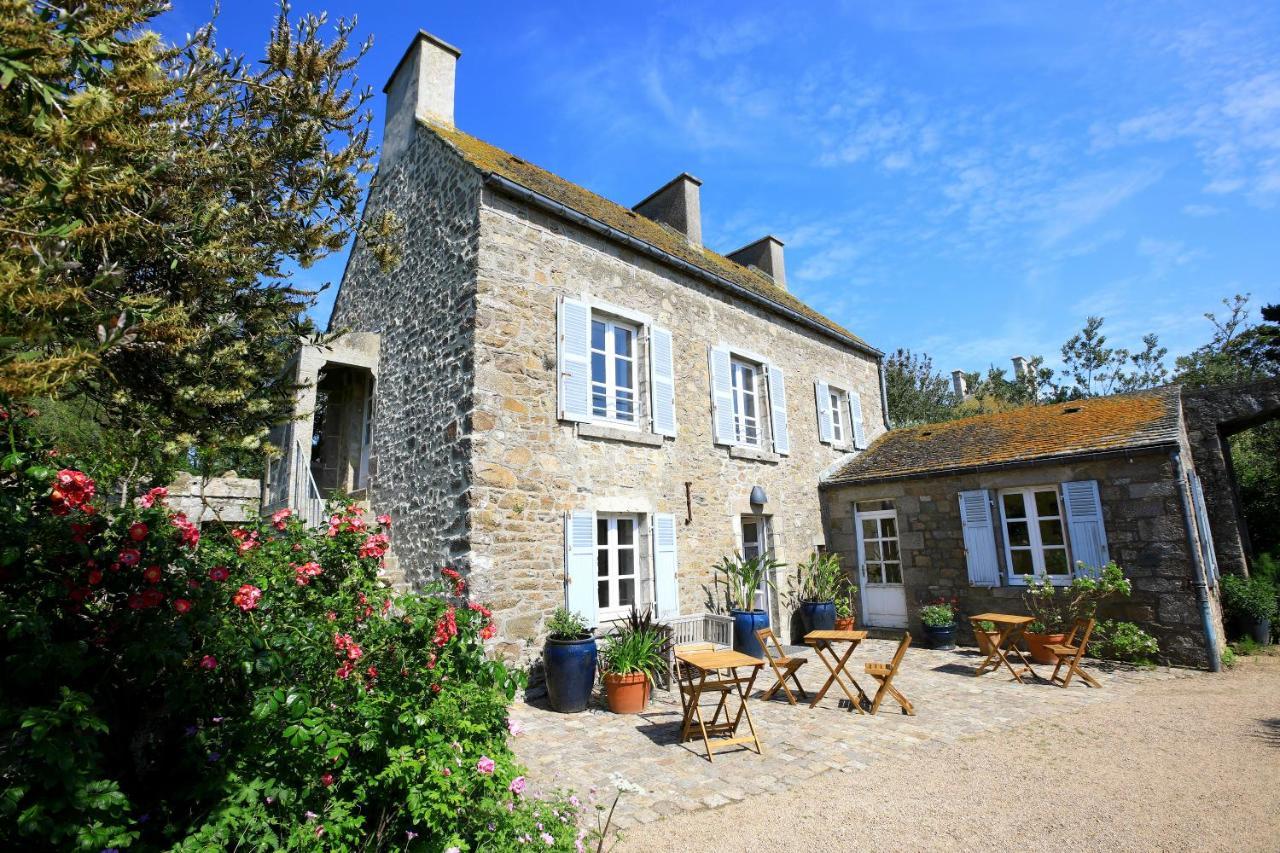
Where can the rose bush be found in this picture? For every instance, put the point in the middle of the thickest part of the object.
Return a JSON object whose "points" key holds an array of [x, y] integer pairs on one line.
{"points": [[168, 687]]}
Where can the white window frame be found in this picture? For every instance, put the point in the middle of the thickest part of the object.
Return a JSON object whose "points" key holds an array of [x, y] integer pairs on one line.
{"points": [[609, 387], [1035, 545], [611, 547], [840, 415], [737, 367]]}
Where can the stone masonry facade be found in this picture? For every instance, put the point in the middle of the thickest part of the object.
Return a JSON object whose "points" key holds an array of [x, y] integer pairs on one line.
{"points": [[1145, 528], [471, 460]]}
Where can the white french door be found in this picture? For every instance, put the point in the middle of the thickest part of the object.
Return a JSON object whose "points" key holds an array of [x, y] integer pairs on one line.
{"points": [[755, 542], [884, 598]]}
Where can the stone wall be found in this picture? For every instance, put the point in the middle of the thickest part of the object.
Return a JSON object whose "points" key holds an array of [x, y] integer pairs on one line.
{"points": [[230, 498], [1145, 528], [425, 312], [529, 468]]}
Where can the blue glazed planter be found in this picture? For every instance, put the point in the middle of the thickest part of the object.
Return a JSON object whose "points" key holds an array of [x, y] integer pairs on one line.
{"points": [[818, 615], [940, 637], [745, 625], [571, 673]]}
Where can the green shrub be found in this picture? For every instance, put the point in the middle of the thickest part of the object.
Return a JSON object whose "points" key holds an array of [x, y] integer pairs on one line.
{"points": [[564, 625], [252, 688], [1252, 598], [1123, 641], [939, 614], [1228, 657]]}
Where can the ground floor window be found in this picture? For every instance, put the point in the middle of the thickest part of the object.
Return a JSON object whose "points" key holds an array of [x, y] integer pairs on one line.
{"points": [[881, 560], [617, 558], [1034, 535], [755, 543]]}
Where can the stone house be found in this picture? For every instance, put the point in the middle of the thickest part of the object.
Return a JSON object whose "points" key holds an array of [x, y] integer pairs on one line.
{"points": [[965, 509], [573, 401]]}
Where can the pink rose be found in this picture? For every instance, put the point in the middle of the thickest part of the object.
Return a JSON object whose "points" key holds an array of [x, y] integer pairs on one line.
{"points": [[485, 765]]}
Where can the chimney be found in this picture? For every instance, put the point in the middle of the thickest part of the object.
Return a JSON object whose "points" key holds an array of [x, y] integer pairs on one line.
{"points": [[765, 255], [678, 205], [421, 87], [958, 385], [1019, 367]]}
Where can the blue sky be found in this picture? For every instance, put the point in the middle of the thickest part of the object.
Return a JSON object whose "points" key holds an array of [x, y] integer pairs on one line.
{"points": [[970, 182]]}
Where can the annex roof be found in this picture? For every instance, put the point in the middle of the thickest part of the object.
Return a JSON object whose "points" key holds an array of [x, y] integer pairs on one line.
{"points": [[1144, 419], [493, 160]]}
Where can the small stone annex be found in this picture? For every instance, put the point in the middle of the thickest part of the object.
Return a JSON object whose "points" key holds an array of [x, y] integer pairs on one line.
{"points": [[578, 403]]}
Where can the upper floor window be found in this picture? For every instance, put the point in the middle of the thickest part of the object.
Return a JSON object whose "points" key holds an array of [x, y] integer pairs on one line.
{"points": [[1035, 536], [839, 416], [839, 405], [613, 370], [746, 402]]}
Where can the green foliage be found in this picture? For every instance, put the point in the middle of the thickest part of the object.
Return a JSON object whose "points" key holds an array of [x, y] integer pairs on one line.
{"points": [[916, 393], [1252, 598], [1096, 370], [1123, 641], [1228, 657], [821, 578], [1056, 608], [938, 614], [986, 625], [742, 577], [1246, 646], [564, 625], [156, 201], [636, 646], [253, 688]]}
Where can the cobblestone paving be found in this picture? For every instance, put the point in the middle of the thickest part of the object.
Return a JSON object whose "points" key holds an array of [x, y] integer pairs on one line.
{"points": [[591, 750]]}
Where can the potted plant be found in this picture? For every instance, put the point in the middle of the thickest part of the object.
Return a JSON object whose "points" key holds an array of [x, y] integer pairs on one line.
{"points": [[818, 583], [569, 659], [1251, 605], [630, 658], [985, 634], [741, 579], [844, 608], [1055, 609], [939, 620]]}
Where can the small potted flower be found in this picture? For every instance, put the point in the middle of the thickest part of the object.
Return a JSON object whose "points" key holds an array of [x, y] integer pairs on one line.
{"points": [[569, 658], [939, 620], [632, 655], [844, 608], [1056, 609], [985, 635]]}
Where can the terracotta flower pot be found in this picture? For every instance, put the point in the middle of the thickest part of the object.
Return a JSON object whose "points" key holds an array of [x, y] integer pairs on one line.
{"points": [[986, 640], [844, 623], [1037, 646], [627, 694]]}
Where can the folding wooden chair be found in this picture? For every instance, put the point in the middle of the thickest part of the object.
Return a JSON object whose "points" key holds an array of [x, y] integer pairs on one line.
{"points": [[783, 666], [1070, 652], [884, 673]]}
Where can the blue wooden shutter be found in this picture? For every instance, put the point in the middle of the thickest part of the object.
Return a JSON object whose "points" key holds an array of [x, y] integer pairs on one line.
{"points": [[662, 381], [580, 564], [822, 394], [664, 565], [855, 412], [979, 538], [573, 360], [721, 396], [1084, 524], [778, 409]]}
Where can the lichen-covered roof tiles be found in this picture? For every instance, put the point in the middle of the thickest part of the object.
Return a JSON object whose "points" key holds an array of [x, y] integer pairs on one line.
{"points": [[1031, 434], [490, 159]]}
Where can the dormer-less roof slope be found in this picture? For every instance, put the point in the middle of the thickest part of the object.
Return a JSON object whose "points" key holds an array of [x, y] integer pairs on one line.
{"points": [[494, 161], [1124, 422]]}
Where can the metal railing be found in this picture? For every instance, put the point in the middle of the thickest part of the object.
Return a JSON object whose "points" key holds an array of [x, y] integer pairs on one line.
{"points": [[290, 484]]}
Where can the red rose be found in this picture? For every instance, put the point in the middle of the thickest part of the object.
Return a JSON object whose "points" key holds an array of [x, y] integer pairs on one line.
{"points": [[95, 577], [219, 573], [247, 597], [129, 556], [181, 605], [152, 598], [137, 531], [326, 779], [152, 574], [209, 662]]}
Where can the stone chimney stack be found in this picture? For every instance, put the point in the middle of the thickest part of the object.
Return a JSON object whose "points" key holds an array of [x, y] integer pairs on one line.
{"points": [[678, 204], [765, 255], [421, 87], [1020, 367], [958, 385]]}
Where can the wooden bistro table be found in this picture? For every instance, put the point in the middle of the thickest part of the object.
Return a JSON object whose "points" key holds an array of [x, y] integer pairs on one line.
{"points": [[1009, 630], [823, 642], [722, 666]]}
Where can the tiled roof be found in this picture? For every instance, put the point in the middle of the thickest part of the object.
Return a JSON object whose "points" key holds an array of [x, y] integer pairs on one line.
{"points": [[1033, 433], [488, 158]]}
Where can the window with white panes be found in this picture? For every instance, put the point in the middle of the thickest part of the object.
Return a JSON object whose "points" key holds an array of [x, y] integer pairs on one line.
{"points": [[613, 371], [881, 561], [746, 401], [1035, 540], [839, 415], [617, 558]]}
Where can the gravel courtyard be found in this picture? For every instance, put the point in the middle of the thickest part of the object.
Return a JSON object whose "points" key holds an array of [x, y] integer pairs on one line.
{"points": [[1171, 764]]}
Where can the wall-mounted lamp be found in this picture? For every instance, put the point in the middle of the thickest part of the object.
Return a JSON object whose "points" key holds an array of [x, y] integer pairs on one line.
{"points": [[758, 497]]}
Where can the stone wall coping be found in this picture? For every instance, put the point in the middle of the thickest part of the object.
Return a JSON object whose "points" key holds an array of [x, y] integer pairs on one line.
{"points": [[739, 452], [647, 439]]}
